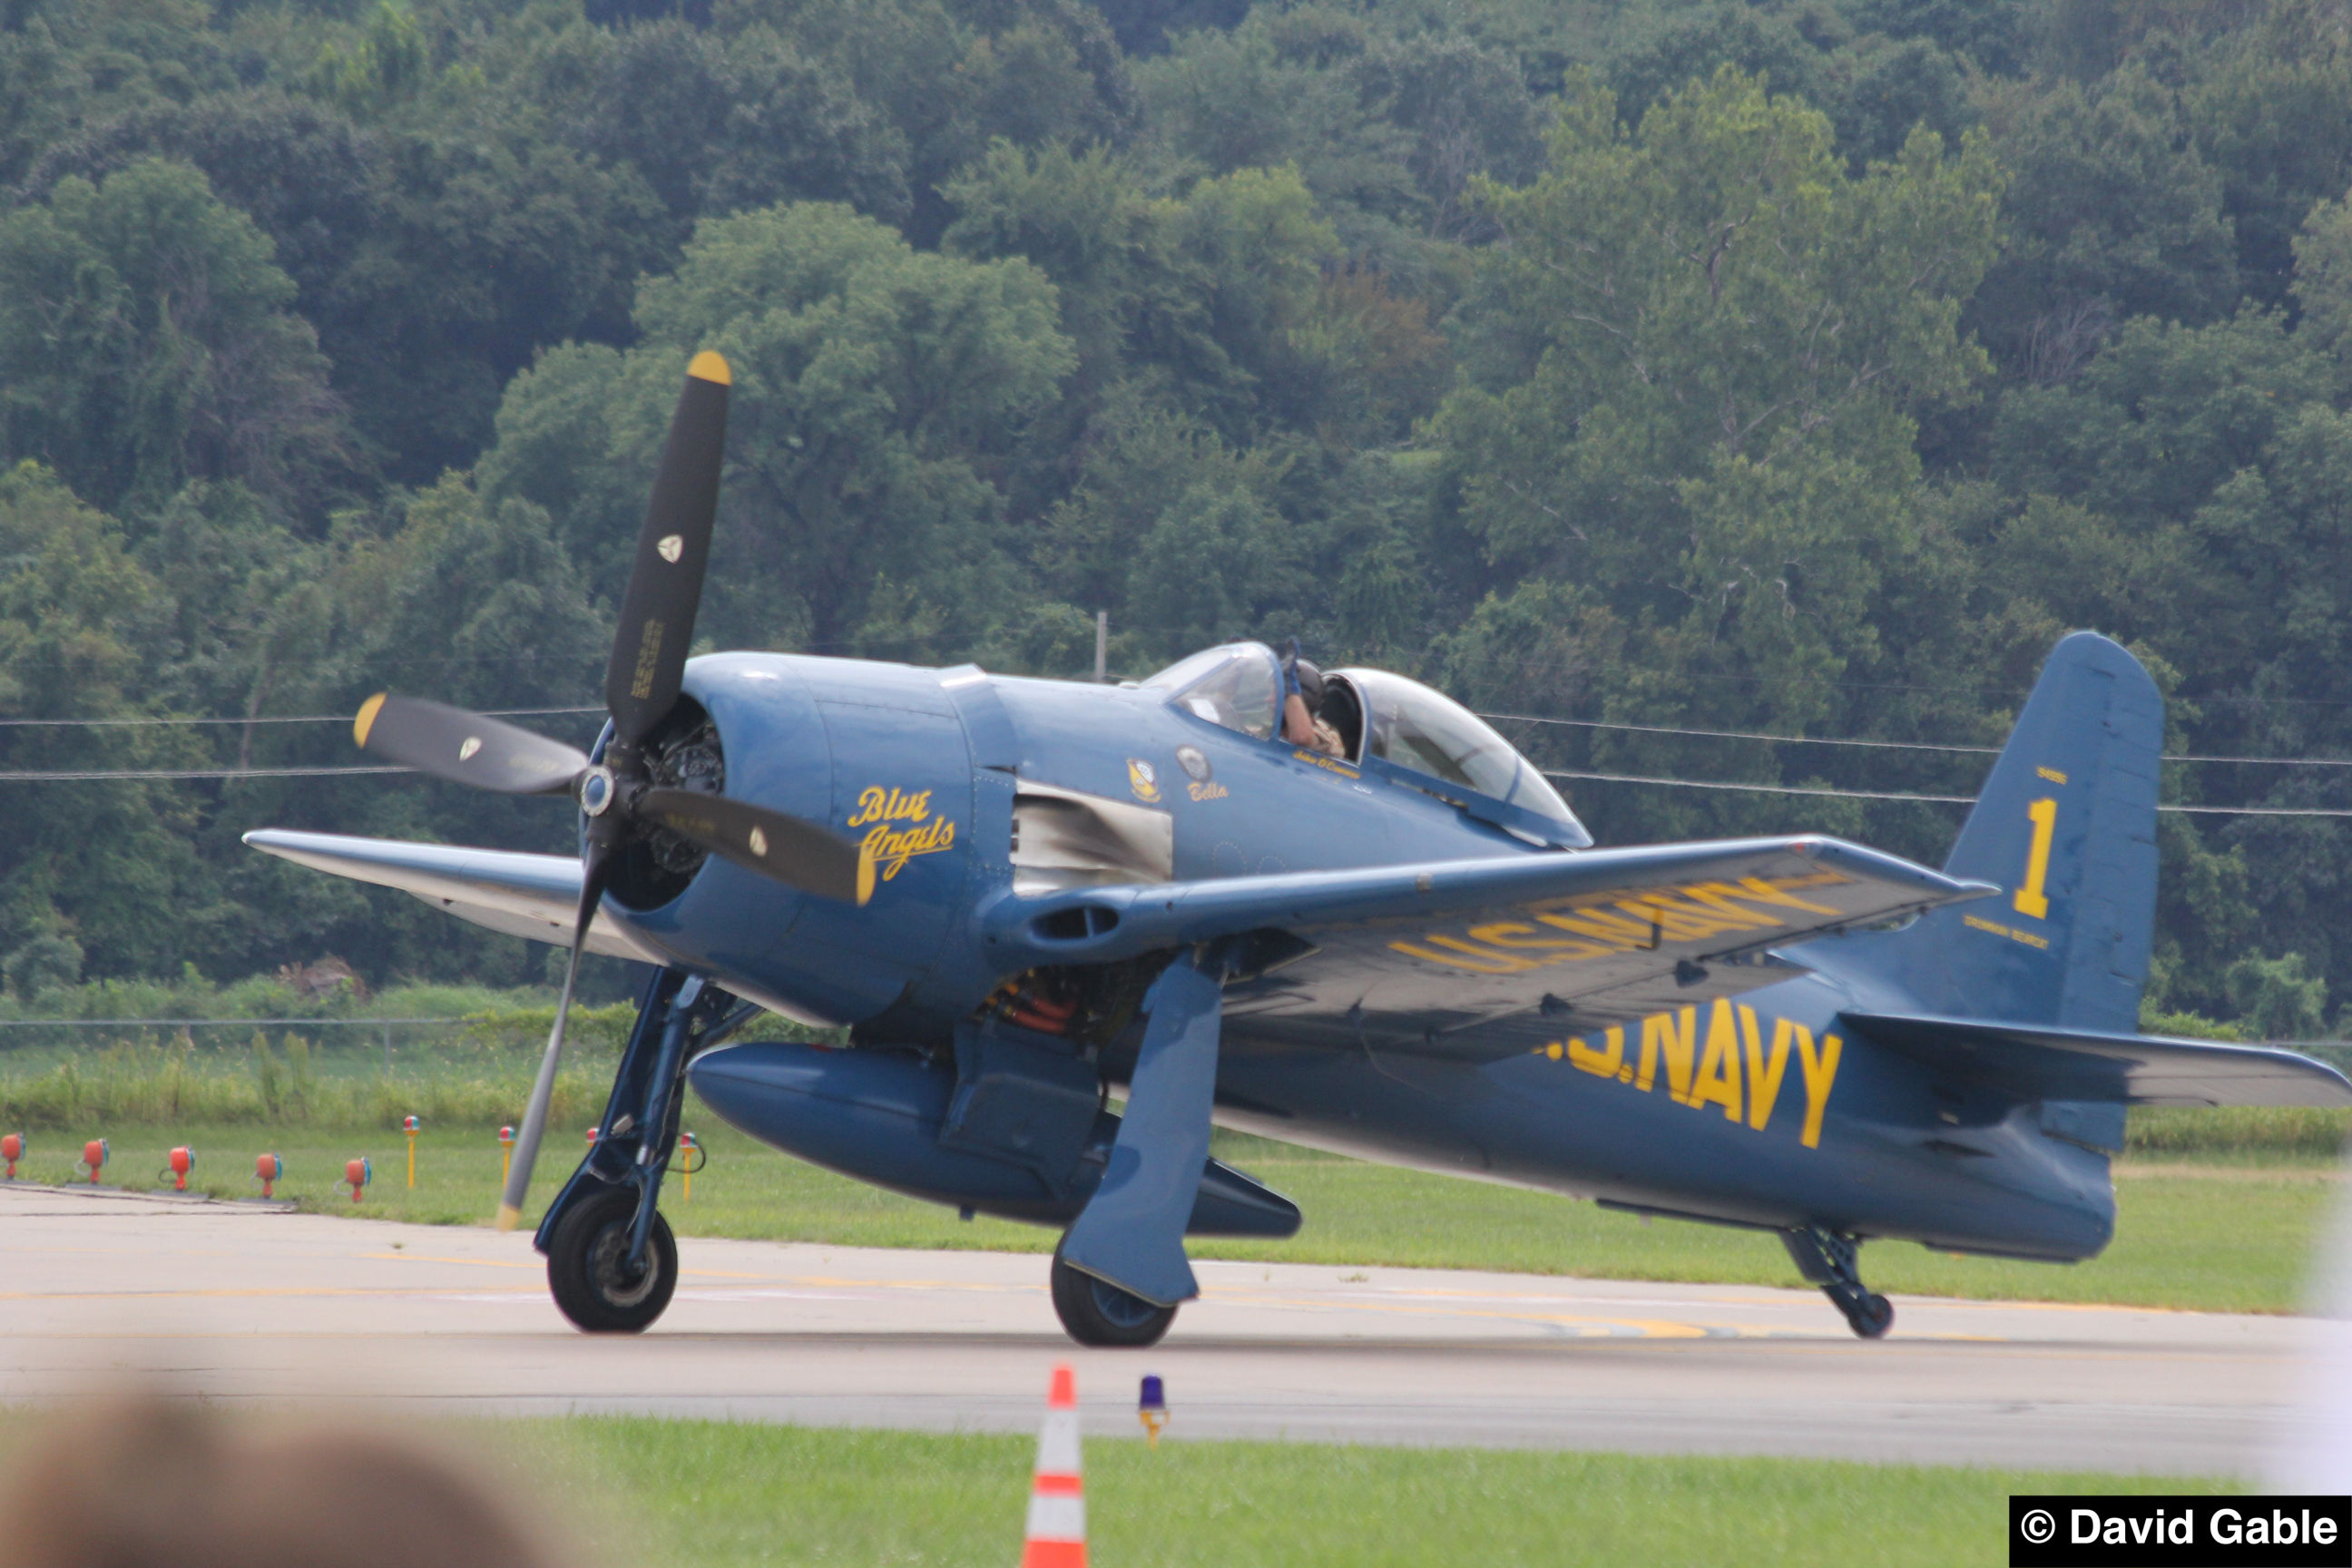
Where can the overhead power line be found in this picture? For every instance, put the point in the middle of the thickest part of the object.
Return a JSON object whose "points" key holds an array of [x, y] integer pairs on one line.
{"points": [[258, 718], [1938, 799], [1766, 789], [1737, 734], [65, 776], [1880, 745]]}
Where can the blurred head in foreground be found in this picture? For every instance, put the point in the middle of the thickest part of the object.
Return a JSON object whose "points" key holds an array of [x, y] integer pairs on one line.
{"points": [[150, 1482]]}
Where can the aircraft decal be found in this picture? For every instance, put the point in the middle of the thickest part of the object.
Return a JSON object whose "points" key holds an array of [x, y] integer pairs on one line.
{"points": [[898, 826], [1735, 1066], [1977, 922], [1204, 784], [1611, 923], [1143, 781], [1329, 764]]}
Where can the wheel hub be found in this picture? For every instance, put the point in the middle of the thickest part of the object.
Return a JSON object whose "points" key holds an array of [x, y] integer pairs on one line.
{"points": [[608, 1269], [1128, 1311]]}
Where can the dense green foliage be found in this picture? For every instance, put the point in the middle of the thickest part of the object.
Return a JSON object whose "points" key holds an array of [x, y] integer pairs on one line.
{"points": [[1803, 367]]}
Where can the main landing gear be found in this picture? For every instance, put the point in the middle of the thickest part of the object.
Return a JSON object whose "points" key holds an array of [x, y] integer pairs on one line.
{"points": [[1828, 1259], [1101, 1315], [611, 1262]]}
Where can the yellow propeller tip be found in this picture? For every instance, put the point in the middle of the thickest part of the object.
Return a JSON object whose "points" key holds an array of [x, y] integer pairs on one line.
{"points": [[865, 875], [709, 366], [366, 720], [509, 1218]]}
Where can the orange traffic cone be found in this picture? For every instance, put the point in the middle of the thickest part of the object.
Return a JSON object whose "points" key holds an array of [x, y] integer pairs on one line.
{"points": [[1056, 1537]]}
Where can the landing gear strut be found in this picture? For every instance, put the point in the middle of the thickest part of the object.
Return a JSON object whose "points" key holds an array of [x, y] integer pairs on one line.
{"points": [[1827, 1258], [611, 1262], [1102, 1315]]}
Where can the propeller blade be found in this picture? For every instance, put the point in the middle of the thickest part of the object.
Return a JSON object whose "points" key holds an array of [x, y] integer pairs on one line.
{"points": [[465, 748], [649, 647], [797, 853], [593, 875]]}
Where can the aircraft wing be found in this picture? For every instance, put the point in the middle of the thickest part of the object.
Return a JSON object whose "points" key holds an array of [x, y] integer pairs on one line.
{"points": [[2043, 1061], [533, 896], [1489, 957]]}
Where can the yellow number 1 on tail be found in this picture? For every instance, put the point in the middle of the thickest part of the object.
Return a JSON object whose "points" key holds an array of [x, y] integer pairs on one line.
{"points": [[2030, 899]]}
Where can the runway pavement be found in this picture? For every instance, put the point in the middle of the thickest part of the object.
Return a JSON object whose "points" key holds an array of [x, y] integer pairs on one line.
{"points": [[236, 1301]]}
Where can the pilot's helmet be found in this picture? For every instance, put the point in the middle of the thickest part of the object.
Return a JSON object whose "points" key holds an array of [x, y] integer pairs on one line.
{"points": [[1311, 685]]}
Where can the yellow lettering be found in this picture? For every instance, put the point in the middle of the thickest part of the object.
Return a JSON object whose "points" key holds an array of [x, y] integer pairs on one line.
{"points": [[875, 804], [1764, 1073], [889, 851], [1507, 934], [1767, 892], [2031, 898], [1602, 1063], [1677, 1036], [1517, 964], [1615, 929], [1717, 900], [1821, 1072], [641, 681], [1507, 966], [1673, 924], [1718, 1072]]}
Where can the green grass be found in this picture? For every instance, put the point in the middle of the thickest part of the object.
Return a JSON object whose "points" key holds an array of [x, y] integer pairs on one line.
{"points": [[2229, 1232], [749, 1494]]}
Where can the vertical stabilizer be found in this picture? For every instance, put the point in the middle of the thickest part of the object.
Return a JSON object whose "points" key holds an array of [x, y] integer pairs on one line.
{"points": [[2066, 828]]}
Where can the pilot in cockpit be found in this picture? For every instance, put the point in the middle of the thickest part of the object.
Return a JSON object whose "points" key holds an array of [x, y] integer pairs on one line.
{"points": [[1302, 723]]}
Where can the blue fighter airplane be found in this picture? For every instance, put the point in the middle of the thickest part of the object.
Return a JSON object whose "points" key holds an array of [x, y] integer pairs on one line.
{"points": [[1019, 895]]}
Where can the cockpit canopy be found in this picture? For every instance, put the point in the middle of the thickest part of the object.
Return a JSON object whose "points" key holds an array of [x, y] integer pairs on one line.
{"points": [[1378, 715], [1237, 685]]}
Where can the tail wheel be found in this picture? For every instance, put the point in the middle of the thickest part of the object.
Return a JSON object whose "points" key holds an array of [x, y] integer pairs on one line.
{"points": [[588, 1265], [1870, 1315], [1102, 1315]]}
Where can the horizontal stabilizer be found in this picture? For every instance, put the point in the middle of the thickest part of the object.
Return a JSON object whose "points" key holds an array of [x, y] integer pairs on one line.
{"points": [[2039, 1061], [532, 896]]}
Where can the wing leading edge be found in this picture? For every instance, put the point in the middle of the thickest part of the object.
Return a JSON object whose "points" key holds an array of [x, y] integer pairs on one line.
{"points": [[533, 896], [1465, 957]]}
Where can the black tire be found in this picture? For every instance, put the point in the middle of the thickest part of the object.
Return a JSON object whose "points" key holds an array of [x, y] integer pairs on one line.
{"points": [[1104, 1315], [1872, 1317], [584, 1265]]}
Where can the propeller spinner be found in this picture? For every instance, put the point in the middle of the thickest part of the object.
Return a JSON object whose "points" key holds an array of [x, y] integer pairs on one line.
{"points": [[619, 795]]}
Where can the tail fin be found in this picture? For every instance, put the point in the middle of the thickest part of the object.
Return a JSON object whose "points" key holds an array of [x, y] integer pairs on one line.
{"points": [[2066, 827]]}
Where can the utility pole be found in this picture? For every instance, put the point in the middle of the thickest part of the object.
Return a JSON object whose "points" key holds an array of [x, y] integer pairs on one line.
{"points": [[1102, 645]]}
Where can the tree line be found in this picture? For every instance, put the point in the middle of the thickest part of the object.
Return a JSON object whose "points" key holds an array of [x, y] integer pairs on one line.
{"points": [[1801, 368]]}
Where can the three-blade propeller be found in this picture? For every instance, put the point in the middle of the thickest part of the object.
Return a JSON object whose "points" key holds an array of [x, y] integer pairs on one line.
{"points": [[642, 686]]}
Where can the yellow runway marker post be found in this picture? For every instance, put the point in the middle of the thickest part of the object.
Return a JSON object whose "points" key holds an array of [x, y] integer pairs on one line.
{"points": [[1151, 1409], [408, 1124]]}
